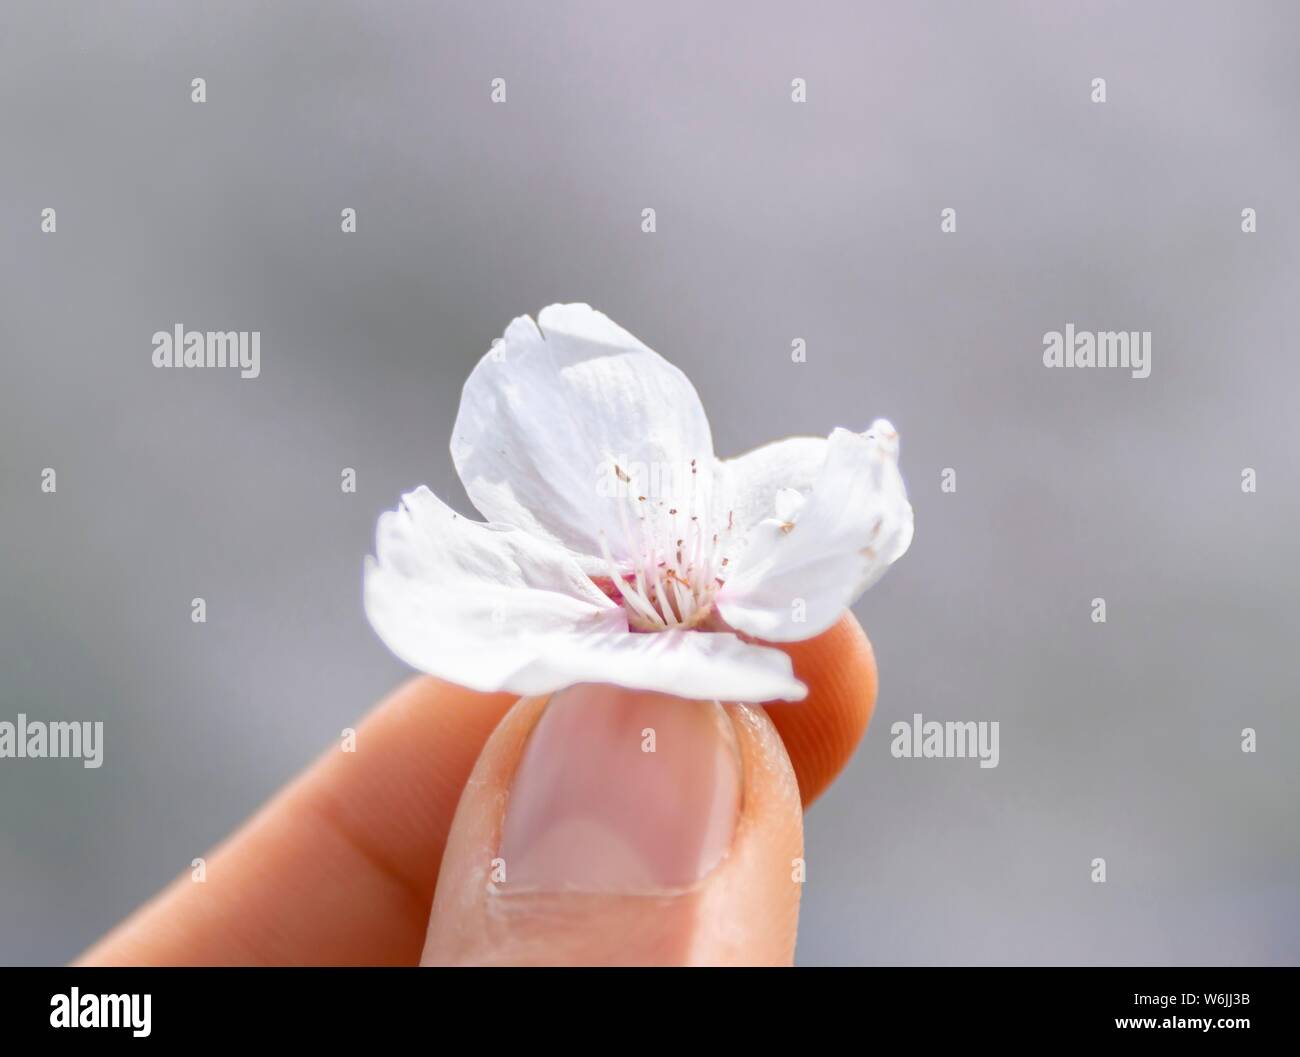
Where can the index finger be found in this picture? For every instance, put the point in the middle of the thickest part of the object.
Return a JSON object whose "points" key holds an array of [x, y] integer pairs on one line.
{"points": [[340, 867]]}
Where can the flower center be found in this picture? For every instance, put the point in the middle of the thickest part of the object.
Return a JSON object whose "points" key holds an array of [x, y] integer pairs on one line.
{"points": [[677, 560]]}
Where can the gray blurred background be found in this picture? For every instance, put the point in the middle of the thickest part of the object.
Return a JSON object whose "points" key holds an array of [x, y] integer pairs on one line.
{"points": [[775, 221]]}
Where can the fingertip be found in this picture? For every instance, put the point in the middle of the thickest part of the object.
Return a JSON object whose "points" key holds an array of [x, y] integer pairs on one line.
{"points": [[822, 732]]}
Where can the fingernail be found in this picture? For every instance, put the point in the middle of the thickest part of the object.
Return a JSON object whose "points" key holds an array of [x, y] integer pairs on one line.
{"points": [[621, 791]]}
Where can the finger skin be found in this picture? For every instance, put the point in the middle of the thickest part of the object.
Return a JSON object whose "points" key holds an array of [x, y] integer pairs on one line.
{"points": [[340, 867], [822, 732], [743, 912]]}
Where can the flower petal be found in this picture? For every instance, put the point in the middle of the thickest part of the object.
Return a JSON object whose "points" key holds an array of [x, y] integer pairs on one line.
{"points": [[492, 608], [562, 413], [460, 600], [793, 580], [754, 480], [788, 503], [714, 666]]}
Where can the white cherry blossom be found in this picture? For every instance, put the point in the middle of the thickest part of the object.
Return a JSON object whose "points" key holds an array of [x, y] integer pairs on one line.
{"points": [[617, 547]]}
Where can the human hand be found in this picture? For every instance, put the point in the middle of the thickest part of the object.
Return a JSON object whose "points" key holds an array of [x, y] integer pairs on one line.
{"points": [[596, 827]]}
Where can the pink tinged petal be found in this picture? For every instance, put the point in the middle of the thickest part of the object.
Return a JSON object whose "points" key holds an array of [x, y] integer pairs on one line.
{"points": [[562, 413], [793, 580]]}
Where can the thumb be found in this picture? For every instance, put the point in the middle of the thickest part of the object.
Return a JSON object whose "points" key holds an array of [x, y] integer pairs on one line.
{"points": [[605, 826]]}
